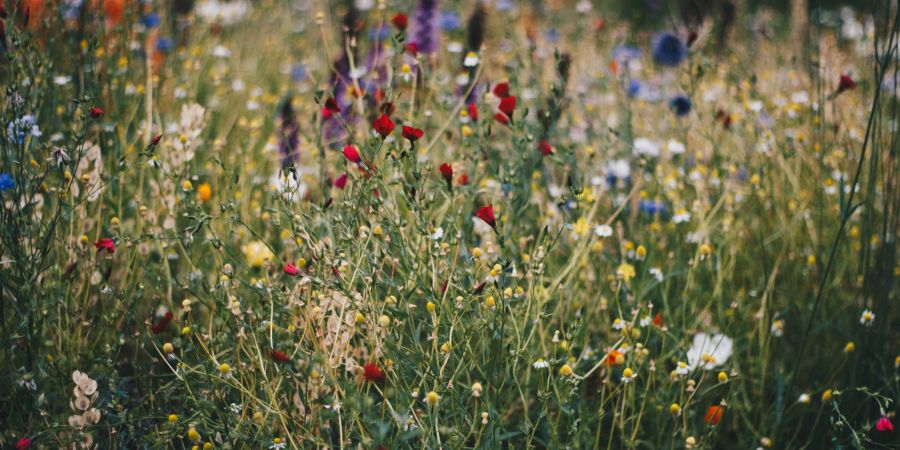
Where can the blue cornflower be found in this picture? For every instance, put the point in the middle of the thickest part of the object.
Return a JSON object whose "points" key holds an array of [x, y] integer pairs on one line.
{"points": [[19, 129], [652, 207], [449, 21], [6, 182], [668, 50], [150, 20], [681, 105], [552, 35], [298, 72], [633, 88], [164, 44]]}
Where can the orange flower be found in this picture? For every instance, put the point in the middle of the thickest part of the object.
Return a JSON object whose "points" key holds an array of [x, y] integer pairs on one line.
{"points": [[114, 10], [204, 192], [714, 414], [615, 357]]}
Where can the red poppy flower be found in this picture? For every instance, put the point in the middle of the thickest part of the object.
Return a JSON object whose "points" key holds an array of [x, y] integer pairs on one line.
{"points": [[412, 134], [473, 112], [279, 356], [714, 414], [106, 244], [447, 172], [463, 180], [501, 90], [163, 324], [502, 118], [486, 213], [657, 320], [341, 181], [613, 358], [845, 84], [383, 125], [372, 373], [508, 105], [291, 270], [400, 21], [545, 148], [352, 154], [96, 112], [330, 108], [412, 49]]}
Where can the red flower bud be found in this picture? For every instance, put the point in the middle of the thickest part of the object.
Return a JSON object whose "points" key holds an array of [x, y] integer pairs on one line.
{"points": [[400, 21], [155, 141], [352, 154], [330, 108], [473, 112], [447, 172], [545, 148], [341, 181], [845, 84], [486, 213], [714, 414], [96, 112], [291, 270]]}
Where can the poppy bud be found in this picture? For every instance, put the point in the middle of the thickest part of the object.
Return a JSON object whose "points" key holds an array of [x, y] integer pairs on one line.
{"points": [[486, 214], [352, 154], [96, 112]]}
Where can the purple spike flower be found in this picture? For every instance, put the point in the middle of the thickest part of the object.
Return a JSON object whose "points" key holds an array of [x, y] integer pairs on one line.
{"points": [[288, 136], [426, 26]]}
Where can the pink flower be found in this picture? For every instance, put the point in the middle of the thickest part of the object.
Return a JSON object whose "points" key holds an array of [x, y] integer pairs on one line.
{"points": [[23, 443], [884, 425]]}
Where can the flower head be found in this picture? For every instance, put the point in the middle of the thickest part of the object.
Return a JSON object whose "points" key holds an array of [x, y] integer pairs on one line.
{"points": [[845, 83], [681, 105], [6, 182], [383, 125], [668, 50], [352, 154], [411, 134], [291, 270], [486, 213], [714, 414], [867, 318], [400, 21], [106, 244], [884, 425], [372, 373], [96, 112], [709, 351]]}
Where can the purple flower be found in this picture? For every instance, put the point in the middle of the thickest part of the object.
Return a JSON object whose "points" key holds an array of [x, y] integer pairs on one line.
{"points": [[425, 27], [288, 136], [668, 50]]}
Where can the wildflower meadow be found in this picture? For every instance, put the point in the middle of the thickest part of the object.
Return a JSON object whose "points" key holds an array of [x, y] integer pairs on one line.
{"points": [[454, 224]]}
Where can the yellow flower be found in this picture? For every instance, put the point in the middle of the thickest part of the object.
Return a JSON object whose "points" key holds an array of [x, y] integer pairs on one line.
{"points": [[257, 253], [723, 377], [224, 368], [826, 396], [430, 307], [168, 347], [187, 186], [193, 435], [674, 408], [173, 418], [850, 347], [565, 370], [432, 398], [625, 272]]}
